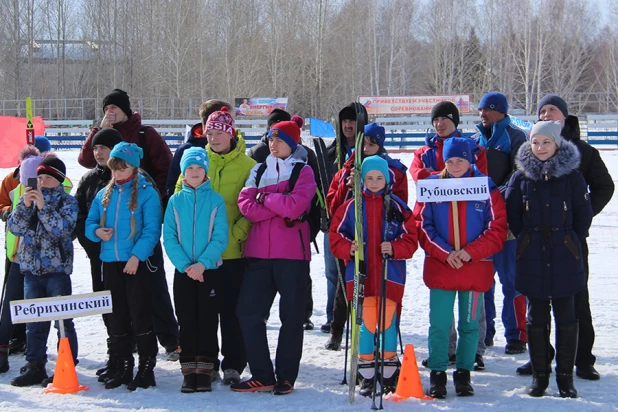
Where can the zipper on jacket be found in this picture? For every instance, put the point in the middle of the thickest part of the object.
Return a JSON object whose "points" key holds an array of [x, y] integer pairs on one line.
{"points": [[194, 220], [302, 244], [116, 223], [564, 212]]}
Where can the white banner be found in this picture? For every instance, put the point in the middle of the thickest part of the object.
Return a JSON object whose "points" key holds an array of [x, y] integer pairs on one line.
{"points": [[388, 105], [447, 190], [61, 307]]}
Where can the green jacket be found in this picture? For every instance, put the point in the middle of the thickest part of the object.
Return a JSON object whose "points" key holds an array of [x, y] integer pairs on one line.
{"points": [[228, 174]]}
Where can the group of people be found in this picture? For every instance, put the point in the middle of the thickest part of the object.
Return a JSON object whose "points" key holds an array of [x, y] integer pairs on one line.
{"points": [[235, 226]]}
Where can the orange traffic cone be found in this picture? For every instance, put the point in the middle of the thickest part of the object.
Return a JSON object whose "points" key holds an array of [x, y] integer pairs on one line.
{"points": [[65, 378], [409, 385]]}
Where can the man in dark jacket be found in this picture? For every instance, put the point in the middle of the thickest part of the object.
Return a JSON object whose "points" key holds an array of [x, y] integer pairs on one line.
{"points": [[259, 153]]}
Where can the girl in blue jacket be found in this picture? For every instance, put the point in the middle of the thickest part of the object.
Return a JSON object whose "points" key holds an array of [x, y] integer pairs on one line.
{"points": [[125, 217], [195, 236]]}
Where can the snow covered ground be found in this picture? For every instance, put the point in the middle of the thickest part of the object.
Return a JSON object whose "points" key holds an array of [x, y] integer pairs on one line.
{"points": [[317, 387]]}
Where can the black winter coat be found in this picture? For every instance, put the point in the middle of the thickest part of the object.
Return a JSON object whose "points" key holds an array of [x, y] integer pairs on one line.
{"points": [[549, 211]]}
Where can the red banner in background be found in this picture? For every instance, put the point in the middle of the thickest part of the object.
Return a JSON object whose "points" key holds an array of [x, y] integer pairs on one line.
{"points": [[12, 132]]}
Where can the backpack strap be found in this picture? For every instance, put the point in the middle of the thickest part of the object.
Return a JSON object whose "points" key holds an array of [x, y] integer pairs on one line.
{"points": [[298, 167], [259, 173]]}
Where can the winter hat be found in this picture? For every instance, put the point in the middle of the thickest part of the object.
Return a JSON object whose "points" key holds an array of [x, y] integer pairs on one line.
{"points": [[107, 137], [299, 121], [27, 151], [276, 116], [221, 120], [463, 147], [445, 109], [288, 131], [27, 168], [42, 143], [376, 163], [129, 152], [347, 113], [53, 167], [376, 133], [556, 101], [550, 129], [118, 98], [494, 101], [194, 156]]}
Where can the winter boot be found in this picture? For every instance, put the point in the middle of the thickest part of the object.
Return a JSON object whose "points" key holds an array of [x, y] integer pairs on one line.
{"points": [[231, 376], [33, 375], [4, 358], [334, 343], [144, 378], [538, 346], [17, 345], [188, 366], [566, 348], [123, 373], [110, 369], [108, 363], [437, 384], [204, 374], [461, 378]]}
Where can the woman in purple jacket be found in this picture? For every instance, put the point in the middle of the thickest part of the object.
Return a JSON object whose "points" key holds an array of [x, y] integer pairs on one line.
{"points": [[278, 254]]}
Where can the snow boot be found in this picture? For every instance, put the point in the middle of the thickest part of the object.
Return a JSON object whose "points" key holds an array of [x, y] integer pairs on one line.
{"points": [[231, 376], [538, 346], [334, 343], [566, 349], [144, 378], [204, 374], [33, 375], [123, 373], [437, 384], [188, 366], [4, 358], [461, 378]]}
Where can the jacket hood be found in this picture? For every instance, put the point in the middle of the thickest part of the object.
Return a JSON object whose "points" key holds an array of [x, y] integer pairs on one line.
{"points": [[431, 141], [240, 147], [196, 133], [131, 125], [571, 130], [566, 160]]}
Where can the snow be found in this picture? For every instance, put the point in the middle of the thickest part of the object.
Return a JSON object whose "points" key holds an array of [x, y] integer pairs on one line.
{"points": [[318, 385]]}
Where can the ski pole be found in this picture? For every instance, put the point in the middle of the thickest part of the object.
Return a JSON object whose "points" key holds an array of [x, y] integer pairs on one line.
{"points": [[347, 337]]}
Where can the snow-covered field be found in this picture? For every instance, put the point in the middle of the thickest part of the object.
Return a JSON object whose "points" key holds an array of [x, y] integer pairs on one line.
{"points": [[317, 387]]}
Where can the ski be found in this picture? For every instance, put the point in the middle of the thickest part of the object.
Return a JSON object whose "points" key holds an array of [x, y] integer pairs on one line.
{"points": [[326, 176], [29, 124]]}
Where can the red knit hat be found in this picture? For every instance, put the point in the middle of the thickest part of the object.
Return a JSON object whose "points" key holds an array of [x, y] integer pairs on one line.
{"points": [[288, 131], [221, 120]]}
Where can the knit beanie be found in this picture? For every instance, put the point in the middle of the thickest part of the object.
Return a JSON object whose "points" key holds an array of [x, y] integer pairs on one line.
{"points": [[376, 133], [556, 101], [347, 113], [494, 101], [42, 143], [375, 163], [194, 156], [129, 152], [288, 131], [27, 168], [118, 98], [550, 129], [462, 147], [221, 120], [445, 109], [276, 116], [53, 167], [107, 137]]}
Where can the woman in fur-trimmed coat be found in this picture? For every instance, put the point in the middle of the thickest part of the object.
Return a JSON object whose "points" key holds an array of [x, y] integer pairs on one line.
{"points": [[549, 211]]}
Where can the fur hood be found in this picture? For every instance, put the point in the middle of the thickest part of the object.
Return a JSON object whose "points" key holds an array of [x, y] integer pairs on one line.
{"points": [[566, 160]]}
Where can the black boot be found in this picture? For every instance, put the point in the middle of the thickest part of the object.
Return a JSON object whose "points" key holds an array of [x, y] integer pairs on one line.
{"points": [[123, 373], [110, 370], [437, 384], [188, 366], [33, 375], [463, 387], [144, 378], [366, 388], [203, 380], [109, 358], [526, 368], [538, 346], [334, 343], [566, 348], [4, 358]]}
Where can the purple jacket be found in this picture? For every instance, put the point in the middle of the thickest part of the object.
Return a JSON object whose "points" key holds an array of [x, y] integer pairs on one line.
{"points": [[270, 237]]}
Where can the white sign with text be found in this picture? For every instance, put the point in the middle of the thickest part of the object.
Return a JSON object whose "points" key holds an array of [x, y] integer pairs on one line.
{"points": [[448, 190], [61, 307]]}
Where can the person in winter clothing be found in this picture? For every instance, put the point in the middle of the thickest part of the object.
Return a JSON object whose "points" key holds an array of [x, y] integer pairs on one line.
{"points": [[195, 257], [44, 218], [390, 233], [501, 141], [549, 211], [125, 217], [466, 273], [229, 168], [279, 253], [342, 189]]}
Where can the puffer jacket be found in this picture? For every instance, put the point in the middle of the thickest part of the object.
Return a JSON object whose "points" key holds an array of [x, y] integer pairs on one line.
{"points": [[549, 211], [46, 245], [270, 236], [118, 217], [195, 227]]}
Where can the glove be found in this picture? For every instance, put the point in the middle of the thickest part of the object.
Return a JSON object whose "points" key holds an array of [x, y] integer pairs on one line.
{"points": [[260, 198]]}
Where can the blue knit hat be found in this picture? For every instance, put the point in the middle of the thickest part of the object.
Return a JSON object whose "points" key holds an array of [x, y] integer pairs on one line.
{"points": [[375, 163], [129, 152], [42, 143], [376, 133], [463, 147], [556, 101], [494, 101], [194, 156]]}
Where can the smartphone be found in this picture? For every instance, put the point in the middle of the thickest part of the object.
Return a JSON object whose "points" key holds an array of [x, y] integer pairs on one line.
{"points": [[32, 182]]}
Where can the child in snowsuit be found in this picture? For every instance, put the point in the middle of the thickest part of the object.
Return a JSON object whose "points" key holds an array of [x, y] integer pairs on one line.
{"points": [[389, 233], [465, 273], [549, 211], [126, 218], [195, 235]]}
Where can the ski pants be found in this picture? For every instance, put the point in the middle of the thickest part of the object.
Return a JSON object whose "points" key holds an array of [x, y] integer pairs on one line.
{"points": [[366, 345]]}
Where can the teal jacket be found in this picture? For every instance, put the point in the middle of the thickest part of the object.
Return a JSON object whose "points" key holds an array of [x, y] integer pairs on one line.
{"points": [[118, 217], [195, 227]]}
